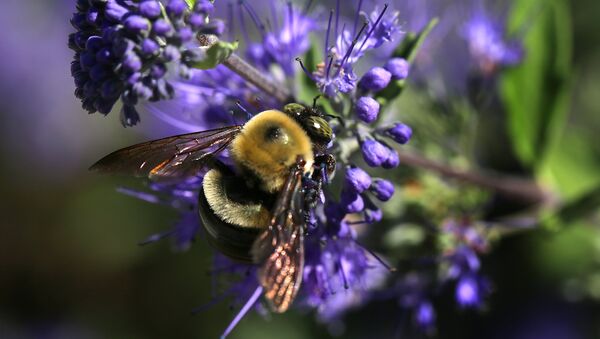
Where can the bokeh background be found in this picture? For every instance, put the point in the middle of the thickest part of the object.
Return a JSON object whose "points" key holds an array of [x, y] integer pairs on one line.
{"points": [[70, 266]]}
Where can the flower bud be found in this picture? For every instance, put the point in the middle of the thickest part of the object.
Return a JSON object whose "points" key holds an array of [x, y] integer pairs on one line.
{"points": [[382, 189], [374, 152], [375, 79], [358, 179], [136, 24], [400, 132], [398, 67], [352, 201], [150, 9], [392, 161], [367, 109]]}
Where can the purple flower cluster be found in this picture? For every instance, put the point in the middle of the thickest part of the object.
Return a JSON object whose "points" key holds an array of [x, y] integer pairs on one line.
{"points": [[463, 263], [123, 50]]}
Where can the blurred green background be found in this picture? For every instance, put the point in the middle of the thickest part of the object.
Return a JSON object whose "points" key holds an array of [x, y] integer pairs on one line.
{"points": [[70, 266]]}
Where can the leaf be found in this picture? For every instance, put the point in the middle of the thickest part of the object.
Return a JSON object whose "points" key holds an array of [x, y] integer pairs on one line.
{"points": [[407, 50], [537, 93], [216, 54], [190, 3]]}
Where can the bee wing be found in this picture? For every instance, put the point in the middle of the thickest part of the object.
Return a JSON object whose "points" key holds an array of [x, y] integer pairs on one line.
{"points": [[280, 248], [171, 157]]}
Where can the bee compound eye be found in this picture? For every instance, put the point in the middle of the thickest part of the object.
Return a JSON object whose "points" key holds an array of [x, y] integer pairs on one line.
{"points": [[233, 241], [293, 109], [319, 128]]}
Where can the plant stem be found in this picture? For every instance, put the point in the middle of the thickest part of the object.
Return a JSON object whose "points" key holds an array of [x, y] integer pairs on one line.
{"points": [[239, 66], [524, 190], [255, 77]]}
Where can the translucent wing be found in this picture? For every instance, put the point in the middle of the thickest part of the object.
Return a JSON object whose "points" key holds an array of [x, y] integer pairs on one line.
{"points": [[280, 248], [171, 157]]}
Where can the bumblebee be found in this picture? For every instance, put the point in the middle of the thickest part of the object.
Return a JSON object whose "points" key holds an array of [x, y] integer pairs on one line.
{"points": [[255, 211]]}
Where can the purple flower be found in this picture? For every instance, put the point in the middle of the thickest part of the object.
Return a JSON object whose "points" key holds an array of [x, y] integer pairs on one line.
{"points": [[352, 201], [382, 189], [400, 133], [487, 45], [398, 68], [357, 179], [345, 44], [392, 160], [425, 315], [375, 79], [338, 272], [367, 109], [121, 52], [467, 292], [374, 153]]}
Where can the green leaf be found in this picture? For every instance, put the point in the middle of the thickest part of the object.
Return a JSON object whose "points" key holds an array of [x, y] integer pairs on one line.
{"points": [[412, 42], [537, 93], [216, 54], [190, 3], [408, 50]]}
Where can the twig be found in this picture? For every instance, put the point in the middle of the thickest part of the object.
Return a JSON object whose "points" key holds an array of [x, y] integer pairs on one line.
{"points": [[255, 77], [524, 190], [249, 73]]}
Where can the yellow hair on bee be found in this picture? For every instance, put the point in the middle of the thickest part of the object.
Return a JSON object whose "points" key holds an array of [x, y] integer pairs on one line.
{"points": [[269, 145], [232, 212]]}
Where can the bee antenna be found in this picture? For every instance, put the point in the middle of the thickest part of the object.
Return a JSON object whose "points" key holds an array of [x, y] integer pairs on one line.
{"points": [[337, 117], [315, 101], [240, 106]]}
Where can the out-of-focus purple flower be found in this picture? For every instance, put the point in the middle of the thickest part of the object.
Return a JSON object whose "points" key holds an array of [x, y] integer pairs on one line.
{"points": [[399, 132], [382, 189], [425, 315], [122, 50], [487, 44], [398, 68], [463, 264], [467, 292]]}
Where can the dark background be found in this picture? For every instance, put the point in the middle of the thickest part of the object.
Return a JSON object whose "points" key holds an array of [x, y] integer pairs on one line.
{"points": [[70, 266]]}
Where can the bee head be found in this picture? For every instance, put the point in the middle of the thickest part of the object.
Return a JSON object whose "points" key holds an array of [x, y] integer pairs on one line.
{"points": [[312, 121]]}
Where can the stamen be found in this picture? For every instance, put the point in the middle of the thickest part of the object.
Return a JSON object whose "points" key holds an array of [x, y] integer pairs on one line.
{"points": [[346, 286], [243, 25], [211, 303], [307, 7], [352, 45], [291, 21], [231, 27], [274, 15], [329, 67], [325, 51], [337, 18], [240, 106], [259, 25], [356, 17], [243, 311], [156, 237], [310, 76], [383, 263], [385, 7]]}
